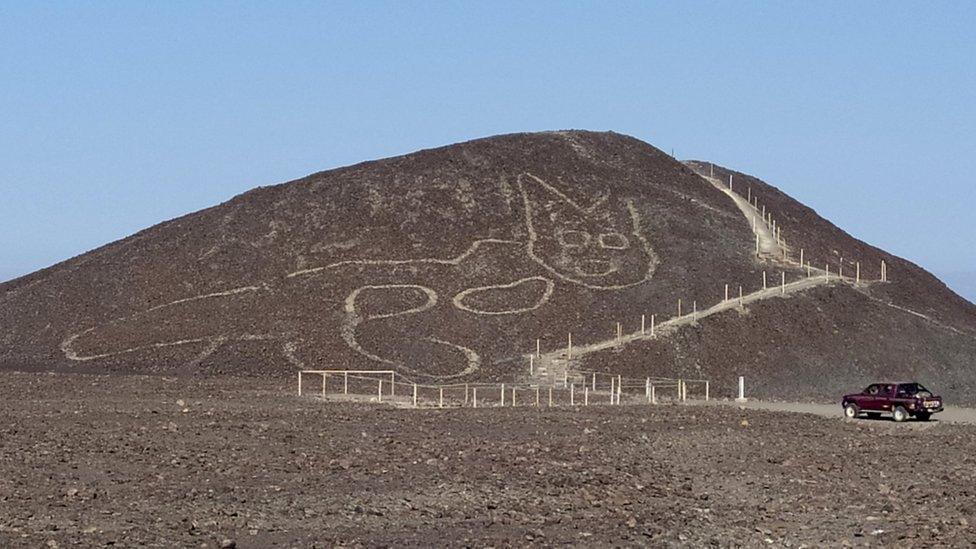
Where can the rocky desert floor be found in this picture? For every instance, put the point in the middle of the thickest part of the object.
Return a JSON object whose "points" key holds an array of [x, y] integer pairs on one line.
{"points": [[90, 460]]}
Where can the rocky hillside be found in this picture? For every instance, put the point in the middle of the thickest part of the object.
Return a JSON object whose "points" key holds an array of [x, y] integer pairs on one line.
{"points": [[449, 264]]}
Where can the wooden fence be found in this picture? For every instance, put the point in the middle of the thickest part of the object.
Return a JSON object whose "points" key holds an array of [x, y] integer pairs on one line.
{"points": [[387, 386]]}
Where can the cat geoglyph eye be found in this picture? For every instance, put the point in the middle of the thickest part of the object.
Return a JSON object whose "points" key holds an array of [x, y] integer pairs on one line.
{"points": [[613, 241], [572, 238]]}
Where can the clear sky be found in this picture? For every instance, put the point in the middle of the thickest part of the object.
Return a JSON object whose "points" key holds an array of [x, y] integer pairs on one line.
{"points": [[115, 116]]}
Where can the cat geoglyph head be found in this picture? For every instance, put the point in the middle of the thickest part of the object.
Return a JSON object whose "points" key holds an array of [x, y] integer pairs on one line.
{"points": [[599, 246]]}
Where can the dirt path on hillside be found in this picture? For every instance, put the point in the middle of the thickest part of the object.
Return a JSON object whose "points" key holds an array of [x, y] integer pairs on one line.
{"points": [[551, 367], [768, 244], [556, 366]]}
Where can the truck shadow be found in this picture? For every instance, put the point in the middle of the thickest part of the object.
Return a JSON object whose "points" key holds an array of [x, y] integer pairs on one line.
{"points": [[891, 419]]}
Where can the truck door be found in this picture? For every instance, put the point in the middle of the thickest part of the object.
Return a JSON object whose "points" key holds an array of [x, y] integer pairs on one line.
{"points": [[871, 400], [885, 398]]}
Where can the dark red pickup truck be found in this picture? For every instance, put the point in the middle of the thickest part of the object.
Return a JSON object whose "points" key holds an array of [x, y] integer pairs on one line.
{"points": [[901, 400]]}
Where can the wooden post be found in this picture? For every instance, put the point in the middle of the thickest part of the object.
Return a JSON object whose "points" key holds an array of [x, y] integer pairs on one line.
{"points": [[613, 382], [749, 195], [538, 348], [619, 387], [345, 383], [764, 280], [653, 395], [550, 397], [809, 271], [827, 272], [652, 325], [884, 271], [801, 257], [730, 182], [299, 383], [706, 391], [620, 332], [840, 272], [393, 384], [586, 396], [679, 307], [465, 393], [594, 381], [572, 394], [531, 365], [440, 397], [513, 397], [325, 376], [726, 292], [647, 389], [857, 272], [503, 395], [757, 244], [642, 324], [783, 283], [414, 395], [740, 296], [679, 389], [694, 310], [569, 348], [474, 397], [379, 395], [566, 376], [536, 396]]}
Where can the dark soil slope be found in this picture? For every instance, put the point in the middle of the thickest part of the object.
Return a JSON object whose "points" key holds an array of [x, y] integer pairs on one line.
{"points": [[448, 264]]}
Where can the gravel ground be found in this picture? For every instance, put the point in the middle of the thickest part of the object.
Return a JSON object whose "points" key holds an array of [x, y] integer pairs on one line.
{"points": [[126, 460]]}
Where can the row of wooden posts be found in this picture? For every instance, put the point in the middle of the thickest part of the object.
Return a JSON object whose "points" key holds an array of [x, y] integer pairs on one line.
{"points": [[694, 307], [616, 389], [507, 395], [777, 231]]}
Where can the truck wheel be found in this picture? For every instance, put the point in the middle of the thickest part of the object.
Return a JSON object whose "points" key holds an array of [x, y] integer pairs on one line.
{"points": [[923, 416], [900, 414], [851, 411]]}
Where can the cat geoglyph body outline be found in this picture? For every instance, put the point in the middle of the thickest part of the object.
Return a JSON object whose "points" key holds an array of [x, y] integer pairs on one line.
{"points": [[559, 241]]}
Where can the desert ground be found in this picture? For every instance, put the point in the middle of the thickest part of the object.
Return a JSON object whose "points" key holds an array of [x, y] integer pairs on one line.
{"points": [[94, 460]]}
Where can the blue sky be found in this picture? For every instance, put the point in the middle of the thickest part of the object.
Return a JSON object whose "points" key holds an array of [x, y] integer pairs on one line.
{"points": [[116, 116]]}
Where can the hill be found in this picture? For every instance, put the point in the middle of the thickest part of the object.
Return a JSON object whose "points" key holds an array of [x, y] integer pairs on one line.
{"points": [[449, 264]]}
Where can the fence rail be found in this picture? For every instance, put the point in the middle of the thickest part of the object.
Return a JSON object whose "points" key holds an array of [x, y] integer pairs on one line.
{"points": [[387, 386]]}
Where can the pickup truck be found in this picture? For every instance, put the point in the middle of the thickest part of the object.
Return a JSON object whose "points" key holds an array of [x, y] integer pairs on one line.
{"points": [[901, 400]]}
